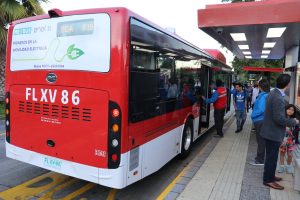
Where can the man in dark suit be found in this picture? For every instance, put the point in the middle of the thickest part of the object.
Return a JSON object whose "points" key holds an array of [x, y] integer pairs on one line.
{"points": [[273, 129]]}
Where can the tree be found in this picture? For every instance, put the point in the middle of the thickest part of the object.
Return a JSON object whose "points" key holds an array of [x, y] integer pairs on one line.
{"points": [[243, 76], [11, 10]]}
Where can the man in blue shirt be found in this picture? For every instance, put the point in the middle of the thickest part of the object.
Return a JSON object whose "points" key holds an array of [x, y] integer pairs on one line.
{"points": [[257, 117], [240, 106]]}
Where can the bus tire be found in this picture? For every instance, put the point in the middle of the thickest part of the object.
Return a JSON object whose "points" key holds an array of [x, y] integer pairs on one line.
{"points": [[187, 139]]}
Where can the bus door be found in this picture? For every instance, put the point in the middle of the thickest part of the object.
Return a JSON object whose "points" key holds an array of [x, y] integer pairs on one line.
{"points": [[205, 77]]}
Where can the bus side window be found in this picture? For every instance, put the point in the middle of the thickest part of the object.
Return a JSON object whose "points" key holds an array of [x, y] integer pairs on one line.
{"points": [[142, 59], [167, 76], [168, 88], [144, 81], [188, 73]]}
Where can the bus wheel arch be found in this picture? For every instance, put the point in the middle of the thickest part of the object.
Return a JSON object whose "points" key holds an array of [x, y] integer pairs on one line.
{"points": [[187, 138]]}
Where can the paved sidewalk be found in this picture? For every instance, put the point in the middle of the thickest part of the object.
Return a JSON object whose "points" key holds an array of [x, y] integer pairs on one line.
{"points": [[226, 174]]}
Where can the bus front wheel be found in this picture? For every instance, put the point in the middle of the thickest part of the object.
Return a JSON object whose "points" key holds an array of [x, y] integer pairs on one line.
{"points": [[187, 139]]}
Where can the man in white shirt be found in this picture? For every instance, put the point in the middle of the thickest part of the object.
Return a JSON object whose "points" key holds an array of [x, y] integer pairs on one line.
{"points": [[254, 93]]}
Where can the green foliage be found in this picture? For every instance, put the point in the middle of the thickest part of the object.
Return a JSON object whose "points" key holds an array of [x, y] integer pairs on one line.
{"points": [[11, 10], [243, 76], [2, 110]]}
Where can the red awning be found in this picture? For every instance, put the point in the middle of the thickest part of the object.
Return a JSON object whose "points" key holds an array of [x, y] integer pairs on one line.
{"points": [[263, 69], [249, 13]]}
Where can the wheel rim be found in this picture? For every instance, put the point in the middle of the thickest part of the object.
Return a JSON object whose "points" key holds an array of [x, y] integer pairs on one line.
{"points": [[188, 138]]}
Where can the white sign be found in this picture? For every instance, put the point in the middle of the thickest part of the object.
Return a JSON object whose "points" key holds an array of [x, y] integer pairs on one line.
{"points": [[78, 42]]}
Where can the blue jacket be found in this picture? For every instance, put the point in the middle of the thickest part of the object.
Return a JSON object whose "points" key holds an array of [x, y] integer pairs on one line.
{"points": [[213, 98], [259, 107]]}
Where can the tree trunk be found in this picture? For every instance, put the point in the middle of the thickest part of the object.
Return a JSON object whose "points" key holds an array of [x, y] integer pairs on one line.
{"points": [[2, 76]]}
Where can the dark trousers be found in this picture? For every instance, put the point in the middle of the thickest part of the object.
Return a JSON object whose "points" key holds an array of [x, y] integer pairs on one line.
{"points": [[261, 146], [219, 120], [249, 102], [272, 150]]}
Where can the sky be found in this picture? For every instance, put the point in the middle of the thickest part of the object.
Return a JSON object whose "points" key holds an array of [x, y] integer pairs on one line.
{"points": [[178, 14]]}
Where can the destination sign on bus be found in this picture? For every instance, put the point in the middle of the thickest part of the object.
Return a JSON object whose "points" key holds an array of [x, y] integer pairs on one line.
{"points": [[78, 27]]}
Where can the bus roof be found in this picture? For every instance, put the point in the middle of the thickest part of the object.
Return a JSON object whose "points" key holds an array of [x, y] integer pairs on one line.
{"points": [[129, 13]]}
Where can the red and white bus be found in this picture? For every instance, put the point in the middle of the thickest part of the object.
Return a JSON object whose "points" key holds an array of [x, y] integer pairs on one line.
{"points": [[103, 95]]}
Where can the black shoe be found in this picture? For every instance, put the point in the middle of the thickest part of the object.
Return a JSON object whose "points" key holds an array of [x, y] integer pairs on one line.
{"points": [[219, 136], [238, 130]]}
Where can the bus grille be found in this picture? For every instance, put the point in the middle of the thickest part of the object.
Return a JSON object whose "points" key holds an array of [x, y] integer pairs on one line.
{"points": [[73, 113]]}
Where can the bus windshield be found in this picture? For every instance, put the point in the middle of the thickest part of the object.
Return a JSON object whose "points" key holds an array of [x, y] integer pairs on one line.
{"points": [[78, 42]]}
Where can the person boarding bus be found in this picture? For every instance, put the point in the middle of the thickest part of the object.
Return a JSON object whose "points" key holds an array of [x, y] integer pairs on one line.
{"points": [[219, 99]]}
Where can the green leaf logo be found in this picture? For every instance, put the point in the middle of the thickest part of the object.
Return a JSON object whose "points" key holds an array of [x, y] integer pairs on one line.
{"points": [[71, 47], [74, 53]]}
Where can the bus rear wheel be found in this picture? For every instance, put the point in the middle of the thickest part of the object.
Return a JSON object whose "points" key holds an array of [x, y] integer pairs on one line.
{"points": [[187, 139]]}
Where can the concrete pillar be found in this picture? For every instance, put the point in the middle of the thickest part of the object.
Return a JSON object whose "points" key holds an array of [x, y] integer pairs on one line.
{"points": [[297, 175], [291, 60]]}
